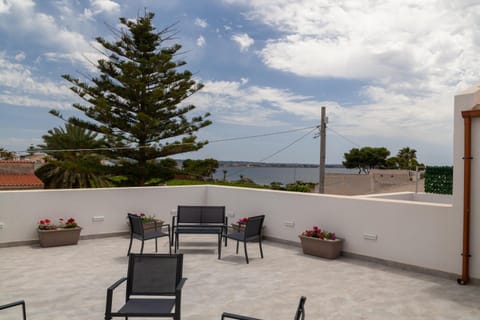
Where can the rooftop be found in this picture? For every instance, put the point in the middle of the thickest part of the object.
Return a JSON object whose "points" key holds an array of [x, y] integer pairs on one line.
{"points": [[8, 180], [70, 283]]}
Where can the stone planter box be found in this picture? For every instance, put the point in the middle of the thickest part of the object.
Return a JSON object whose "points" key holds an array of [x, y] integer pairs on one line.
{"points": [[59, 237], [329, 249]]}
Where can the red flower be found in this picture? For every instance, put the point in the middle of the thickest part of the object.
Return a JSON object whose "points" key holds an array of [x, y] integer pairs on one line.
{"points": [[42, 222], [47, 221], [142, 214]]}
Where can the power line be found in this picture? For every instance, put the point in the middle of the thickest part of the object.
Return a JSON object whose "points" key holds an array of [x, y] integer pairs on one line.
{"points": [[342, 136], [278, 151], [171, 145], [262, 135]]}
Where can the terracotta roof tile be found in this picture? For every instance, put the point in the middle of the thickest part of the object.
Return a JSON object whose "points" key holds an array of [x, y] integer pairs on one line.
{"points": [[17, 161], [20, 180]]}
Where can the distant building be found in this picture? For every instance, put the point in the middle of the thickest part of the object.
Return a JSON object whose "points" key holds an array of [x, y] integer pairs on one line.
{"points": [[18, 174]]}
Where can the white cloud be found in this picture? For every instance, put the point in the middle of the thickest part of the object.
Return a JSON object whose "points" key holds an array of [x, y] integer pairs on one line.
{"points": [[409, 47], [5, 6], [202, 23], [19, 86], [43, 31], [105, 6], [201, 41], [413, 57], [243, 40], [20, 56], [391, 116], [236, 103]]}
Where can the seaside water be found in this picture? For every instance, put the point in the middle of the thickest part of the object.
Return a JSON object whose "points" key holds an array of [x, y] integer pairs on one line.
{"points": [[284, 175]]}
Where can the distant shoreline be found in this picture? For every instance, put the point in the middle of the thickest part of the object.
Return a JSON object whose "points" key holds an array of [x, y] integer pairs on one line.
{"points": [[273, 165]]}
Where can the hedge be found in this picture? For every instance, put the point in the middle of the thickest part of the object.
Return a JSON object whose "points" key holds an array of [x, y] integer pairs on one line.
{"points": [[439, 180]]}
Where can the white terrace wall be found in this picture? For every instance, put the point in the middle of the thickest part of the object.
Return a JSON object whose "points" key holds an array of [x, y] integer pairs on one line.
{"points": [[470, 99], [419, 234], [20, 211]]}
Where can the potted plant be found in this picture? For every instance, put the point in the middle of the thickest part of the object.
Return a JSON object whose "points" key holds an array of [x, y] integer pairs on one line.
{"points": [[239, 226], [321, 243], [150, 223], [65, 232]]}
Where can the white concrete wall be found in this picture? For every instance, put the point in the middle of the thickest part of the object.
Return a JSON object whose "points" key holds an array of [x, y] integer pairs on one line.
{"points": [[419, 234], [412, 196], [20, 211], [466, 101]]}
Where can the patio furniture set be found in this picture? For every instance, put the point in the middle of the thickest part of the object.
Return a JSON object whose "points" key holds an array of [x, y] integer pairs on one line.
{"points": [[154, 282], [198, 220]]}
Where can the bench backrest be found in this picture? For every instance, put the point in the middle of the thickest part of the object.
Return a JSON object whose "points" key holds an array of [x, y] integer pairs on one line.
{"points": [[201, 214]]}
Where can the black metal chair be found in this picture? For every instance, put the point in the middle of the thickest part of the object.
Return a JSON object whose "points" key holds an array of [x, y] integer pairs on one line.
{"points": [[137, 232], [155, 275], [253, 232], [299, 314], [14, 304]]}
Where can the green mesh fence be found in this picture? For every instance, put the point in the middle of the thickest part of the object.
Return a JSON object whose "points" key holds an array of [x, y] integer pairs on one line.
{"points": [[439, 180]]}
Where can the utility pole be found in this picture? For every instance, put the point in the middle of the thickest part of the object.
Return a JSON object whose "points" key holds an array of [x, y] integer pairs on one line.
{"points": [[323, 138]]}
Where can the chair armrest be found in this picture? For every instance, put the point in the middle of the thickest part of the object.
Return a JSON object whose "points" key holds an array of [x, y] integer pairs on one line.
{"points": [[13, 304], [180, 284], [108, 307], [227, 315]]}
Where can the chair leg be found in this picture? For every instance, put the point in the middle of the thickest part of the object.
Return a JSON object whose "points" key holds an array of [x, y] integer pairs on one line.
{"points": [[169, 246], [260, 245], [130, 246], [237, 246], [141, 250], [175, 245], [219, 245], [245, 247], [156, 244]]}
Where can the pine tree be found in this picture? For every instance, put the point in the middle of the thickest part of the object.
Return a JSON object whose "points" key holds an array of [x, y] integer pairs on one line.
{"points": [[136, 102]]}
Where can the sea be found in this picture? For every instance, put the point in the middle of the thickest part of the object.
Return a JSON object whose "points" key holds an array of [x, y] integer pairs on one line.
{"points": [[283, 175]]}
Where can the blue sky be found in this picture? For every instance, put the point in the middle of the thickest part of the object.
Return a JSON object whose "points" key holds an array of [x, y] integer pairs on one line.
{"points": [[387, 71]]}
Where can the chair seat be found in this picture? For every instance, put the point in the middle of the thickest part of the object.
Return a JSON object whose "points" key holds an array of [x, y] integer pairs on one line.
{"points": [[240, 236], [150, 235], [147, 307], [202, 230]]}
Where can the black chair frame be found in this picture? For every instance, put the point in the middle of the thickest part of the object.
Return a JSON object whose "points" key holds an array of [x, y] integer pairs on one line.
{"points": [[14, 304], [253, 233], [137, 231], [163, 305], [299, 314]]}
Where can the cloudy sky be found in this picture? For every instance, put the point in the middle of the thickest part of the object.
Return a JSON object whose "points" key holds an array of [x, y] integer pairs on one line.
{"points": [[387, 71]]}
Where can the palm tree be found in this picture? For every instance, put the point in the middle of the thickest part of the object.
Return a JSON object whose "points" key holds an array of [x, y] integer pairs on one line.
{"points": [[407, 157], [73, 159]]}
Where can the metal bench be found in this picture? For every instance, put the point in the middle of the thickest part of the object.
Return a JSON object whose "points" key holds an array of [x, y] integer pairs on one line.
{"points": [[199, 220]]}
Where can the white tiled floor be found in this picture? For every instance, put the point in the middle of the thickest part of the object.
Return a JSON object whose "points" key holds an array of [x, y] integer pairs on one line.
{"points": [[70, 283]]}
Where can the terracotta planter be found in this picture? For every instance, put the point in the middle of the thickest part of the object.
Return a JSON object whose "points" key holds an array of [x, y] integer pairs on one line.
{"points": [[241, 228], [150, 226], [59, 237], [329, 249]]}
